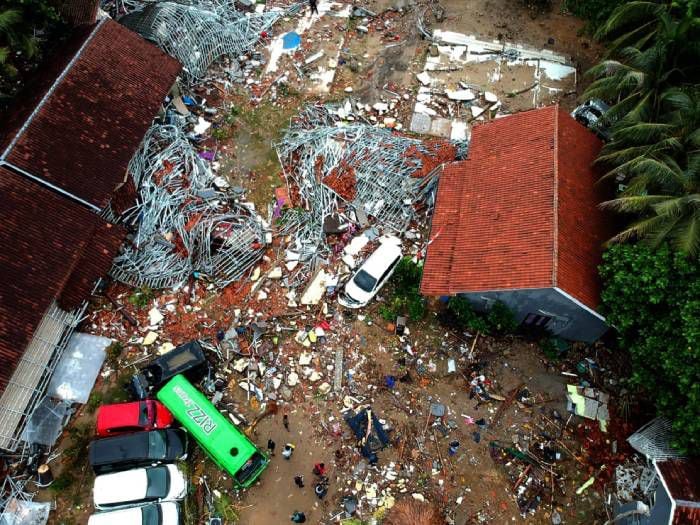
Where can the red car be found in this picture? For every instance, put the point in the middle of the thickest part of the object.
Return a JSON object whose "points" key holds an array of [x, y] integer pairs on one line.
{"points": [[121, 418]]}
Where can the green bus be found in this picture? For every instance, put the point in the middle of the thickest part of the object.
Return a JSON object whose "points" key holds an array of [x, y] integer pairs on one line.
{"points": [[227, 446]]}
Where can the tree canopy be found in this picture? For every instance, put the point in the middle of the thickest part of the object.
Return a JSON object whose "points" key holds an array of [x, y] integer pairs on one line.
{"points": [[652, 297]]}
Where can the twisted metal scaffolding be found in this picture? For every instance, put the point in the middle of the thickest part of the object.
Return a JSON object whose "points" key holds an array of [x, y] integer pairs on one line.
{"points": [[354, 170], [198, 33], [184, 224]]}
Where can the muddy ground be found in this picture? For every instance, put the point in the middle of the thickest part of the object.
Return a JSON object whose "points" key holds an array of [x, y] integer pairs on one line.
{"points": [[470, 486]]}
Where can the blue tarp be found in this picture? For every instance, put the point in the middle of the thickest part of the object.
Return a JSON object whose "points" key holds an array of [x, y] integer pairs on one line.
{"points": [[378, 438], [291, 40]]}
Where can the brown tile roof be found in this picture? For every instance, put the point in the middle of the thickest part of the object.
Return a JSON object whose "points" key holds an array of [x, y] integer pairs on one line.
{"points": [[79, 12], [52, 248], [521, 212], [90, 120], [682, 477]]}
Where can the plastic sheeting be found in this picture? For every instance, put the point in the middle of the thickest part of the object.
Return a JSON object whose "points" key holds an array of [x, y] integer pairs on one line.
{"points": [[21, 512], [47, 422], [78, 368]]}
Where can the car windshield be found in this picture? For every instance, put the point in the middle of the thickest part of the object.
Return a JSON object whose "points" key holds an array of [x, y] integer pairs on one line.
{"points": [[365, 281], [158, 482], [143, 413], [156, 445], [150, 515]]}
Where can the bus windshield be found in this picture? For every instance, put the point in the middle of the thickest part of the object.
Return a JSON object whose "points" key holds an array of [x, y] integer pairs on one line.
{"points": [[220, 439]]}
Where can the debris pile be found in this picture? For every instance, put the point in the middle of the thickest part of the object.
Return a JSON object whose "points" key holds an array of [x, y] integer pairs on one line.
{"points": [[186, 220], [199, 34], [353, 172]]}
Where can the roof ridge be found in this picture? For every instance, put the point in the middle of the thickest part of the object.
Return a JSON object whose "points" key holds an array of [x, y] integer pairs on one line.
{"points": [[555, 199], [52, 88]]}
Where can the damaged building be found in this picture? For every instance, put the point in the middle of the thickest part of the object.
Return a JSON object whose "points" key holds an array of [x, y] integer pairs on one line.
{"points": [[65, 148], [519, 222]]}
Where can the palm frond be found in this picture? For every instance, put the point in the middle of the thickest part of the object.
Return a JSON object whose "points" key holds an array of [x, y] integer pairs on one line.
{"points": [[626, 15]]}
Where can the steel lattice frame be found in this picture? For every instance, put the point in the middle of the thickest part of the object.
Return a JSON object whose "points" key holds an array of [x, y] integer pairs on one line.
{"points": [[199, 34], [183, 223]]}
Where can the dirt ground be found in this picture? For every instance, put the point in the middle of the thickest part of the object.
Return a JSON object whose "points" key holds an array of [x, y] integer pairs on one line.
{"points": [[470, 485]]}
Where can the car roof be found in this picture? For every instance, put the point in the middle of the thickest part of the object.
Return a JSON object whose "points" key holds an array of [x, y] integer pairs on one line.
{"points": [[380, 259], [119, 414], [118, 448], [130, 485], [116, 517]]}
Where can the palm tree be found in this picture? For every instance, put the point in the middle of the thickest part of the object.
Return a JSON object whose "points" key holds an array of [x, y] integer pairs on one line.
{"points": [[660, 51], [662, 163], [9, 18]]}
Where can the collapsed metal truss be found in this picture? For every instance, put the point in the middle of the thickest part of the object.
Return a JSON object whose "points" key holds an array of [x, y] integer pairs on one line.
{"points": [[200, 33], [184, 224], [355, 169]]}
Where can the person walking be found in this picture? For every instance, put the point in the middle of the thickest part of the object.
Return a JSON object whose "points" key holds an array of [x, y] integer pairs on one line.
{"points": [[271, 446], [313, 6], [321, 489], [298, 517], [285, 421], [320, 469], [299, 480], [287, 452], [454, 445]]}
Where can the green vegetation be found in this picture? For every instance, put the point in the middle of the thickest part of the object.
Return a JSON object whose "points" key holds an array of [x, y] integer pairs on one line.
{"points": [[650, 77], [652, 298], [141, 297], [62, 482], [25, 26], [498, 320], [595, 12], [224, 507], [406, 298]]}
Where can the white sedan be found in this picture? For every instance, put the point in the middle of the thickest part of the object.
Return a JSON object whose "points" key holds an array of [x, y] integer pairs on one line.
{"points": [[139, 486], [372, 275], [166, 513]]}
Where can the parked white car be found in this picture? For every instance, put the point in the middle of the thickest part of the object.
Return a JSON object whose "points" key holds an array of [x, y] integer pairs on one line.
{"points": [[166, 513], [372, 275], [139, 486]]}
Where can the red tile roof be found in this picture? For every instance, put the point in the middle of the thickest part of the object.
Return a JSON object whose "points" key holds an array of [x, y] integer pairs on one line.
{"points": [[92, 113], [52, 248], [521, 212]]}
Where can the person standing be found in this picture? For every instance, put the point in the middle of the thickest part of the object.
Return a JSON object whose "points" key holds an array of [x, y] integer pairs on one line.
{"points": [[313, 6], [320, 469], [298, 517], [287, 452], [271, 447], [299, 480], [285, 421]]}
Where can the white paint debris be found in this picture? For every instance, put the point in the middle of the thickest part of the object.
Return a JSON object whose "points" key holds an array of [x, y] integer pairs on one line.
{"points": [[462, 94], [202, 126], [313, 58], [459, 130], [476, 110], [422, 108], [316, 288], [155, 317], [490, 97], [424, 78]]}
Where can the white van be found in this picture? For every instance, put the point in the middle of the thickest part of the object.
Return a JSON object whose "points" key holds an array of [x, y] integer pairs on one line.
{"points": [[139, 486], [166, 513], [372, 275]]}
